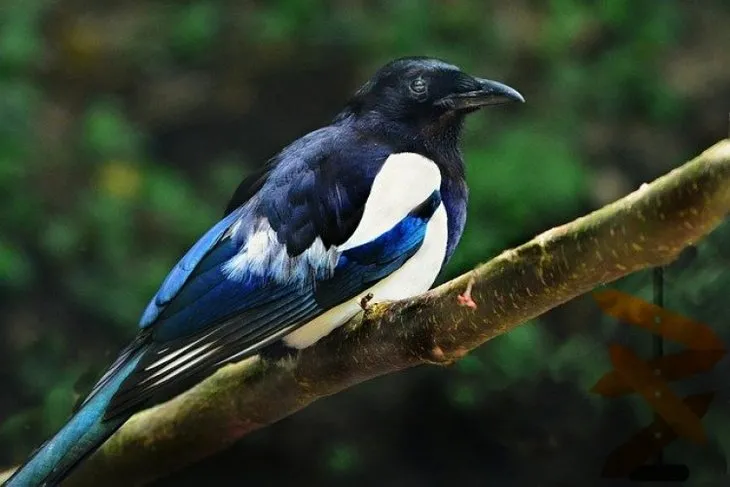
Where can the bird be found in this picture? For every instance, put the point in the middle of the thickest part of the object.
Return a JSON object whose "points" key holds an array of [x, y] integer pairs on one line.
{"points": [[367, 208]]}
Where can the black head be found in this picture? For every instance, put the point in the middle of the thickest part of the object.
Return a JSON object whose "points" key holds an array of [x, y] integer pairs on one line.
{"points": [[427, 93]]}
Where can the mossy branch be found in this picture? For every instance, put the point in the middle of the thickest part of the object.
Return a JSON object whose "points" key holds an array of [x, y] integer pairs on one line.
{"points": [[646, 228]]}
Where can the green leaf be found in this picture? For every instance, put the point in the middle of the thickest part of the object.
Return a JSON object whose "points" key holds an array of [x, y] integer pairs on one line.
{"points": [[108, 134], [342, 458], [464, 396], [59, 401], [471, 364], [60, 238], [16, 269], [18, 103], [521, 352], [194, 27], [528, 170], [20, 39]]}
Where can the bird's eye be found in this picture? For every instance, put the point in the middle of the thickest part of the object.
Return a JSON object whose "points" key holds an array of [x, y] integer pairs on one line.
{"points": [[418, 87]]}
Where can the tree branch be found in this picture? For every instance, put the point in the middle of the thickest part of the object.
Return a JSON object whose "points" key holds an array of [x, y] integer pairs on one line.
{"points": [[646, 228]]}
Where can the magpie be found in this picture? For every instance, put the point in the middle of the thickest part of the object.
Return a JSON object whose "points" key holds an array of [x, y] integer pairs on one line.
{"points": [[370, 206]]}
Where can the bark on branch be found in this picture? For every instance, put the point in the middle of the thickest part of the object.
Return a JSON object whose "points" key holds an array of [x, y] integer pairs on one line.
{"points": [[646, 228]]}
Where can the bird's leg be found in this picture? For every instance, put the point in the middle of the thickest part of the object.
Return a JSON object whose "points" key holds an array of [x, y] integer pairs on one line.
{"points": [[465, 298], [365, 301]]}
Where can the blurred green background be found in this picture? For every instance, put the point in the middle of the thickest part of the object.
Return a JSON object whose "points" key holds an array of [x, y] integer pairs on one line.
{"points": [[125, 126]]}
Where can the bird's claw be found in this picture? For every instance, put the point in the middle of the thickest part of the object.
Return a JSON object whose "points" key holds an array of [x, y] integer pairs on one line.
{"points": [[465, 298], [365, 301]]}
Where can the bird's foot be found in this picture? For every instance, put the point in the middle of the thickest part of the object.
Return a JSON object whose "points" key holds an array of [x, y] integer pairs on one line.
{"points": [[365, 301], [465, 298], [438, 356]]}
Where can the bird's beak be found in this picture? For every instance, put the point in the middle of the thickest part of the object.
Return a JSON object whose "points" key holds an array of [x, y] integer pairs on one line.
{"points": [[489, 93]]}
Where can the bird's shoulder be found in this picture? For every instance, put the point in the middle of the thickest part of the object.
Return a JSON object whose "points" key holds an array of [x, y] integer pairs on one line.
{"points": [[335, 154]]}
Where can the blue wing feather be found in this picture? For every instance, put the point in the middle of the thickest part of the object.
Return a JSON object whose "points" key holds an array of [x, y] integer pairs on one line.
{"points": [[180, 273]]}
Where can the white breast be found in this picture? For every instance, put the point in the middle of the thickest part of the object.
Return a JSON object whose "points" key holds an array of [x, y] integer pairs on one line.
{"points": [[405, 181]]}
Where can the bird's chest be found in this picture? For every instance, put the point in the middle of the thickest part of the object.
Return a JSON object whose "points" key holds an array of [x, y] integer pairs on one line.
{"points": [[414, 277], [419, 272], [405, 181]]}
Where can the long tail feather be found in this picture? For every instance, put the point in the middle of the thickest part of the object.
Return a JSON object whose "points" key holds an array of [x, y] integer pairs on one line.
{"points": [[84, 432]]}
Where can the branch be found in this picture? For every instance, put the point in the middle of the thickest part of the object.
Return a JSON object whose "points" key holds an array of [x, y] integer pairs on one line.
{"points": [[646, 228]]}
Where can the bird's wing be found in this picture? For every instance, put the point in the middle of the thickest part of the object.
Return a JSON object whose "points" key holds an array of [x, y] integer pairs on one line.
{"points": [[301, 245]]}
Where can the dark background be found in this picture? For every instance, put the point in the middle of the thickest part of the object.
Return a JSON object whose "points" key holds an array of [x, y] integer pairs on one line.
{"points": [[125, 125]]}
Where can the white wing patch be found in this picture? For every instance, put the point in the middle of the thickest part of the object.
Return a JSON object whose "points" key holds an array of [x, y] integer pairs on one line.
{"points": [[404, 182], [263, 255]]}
